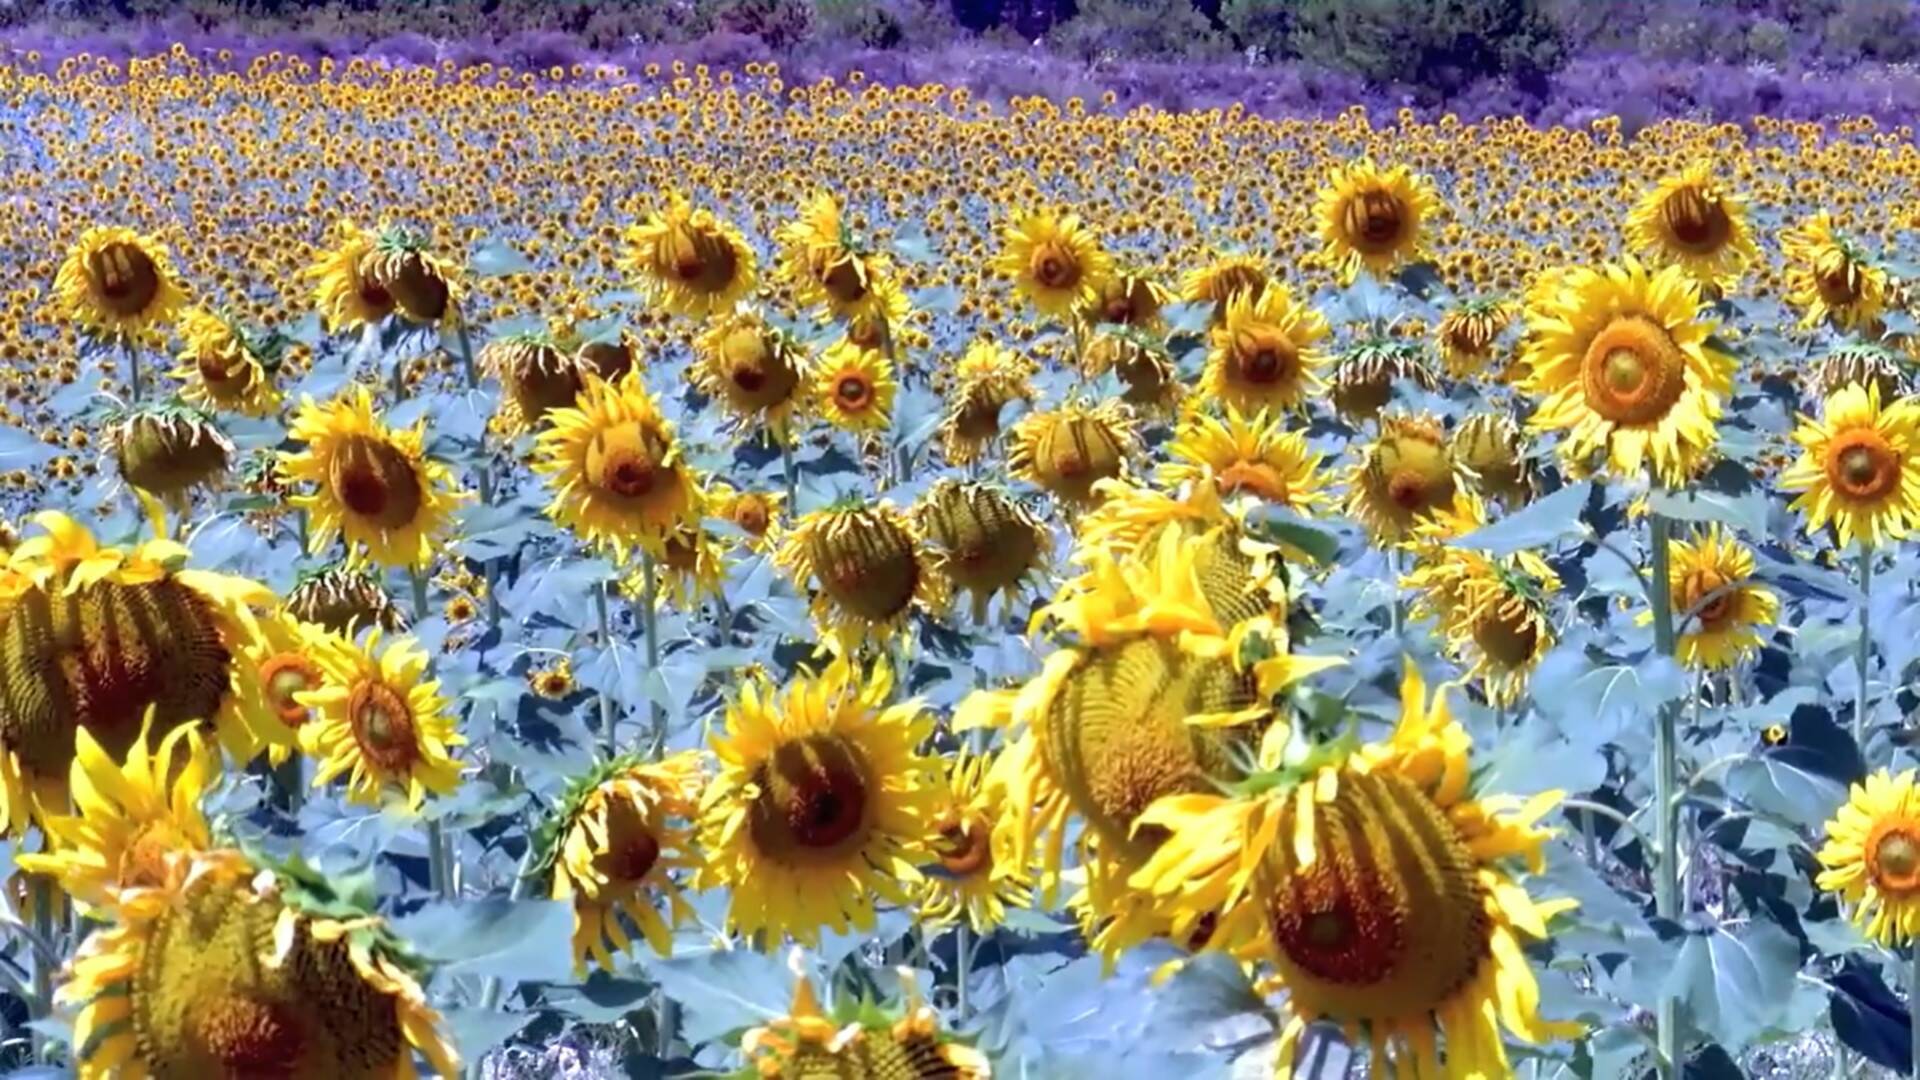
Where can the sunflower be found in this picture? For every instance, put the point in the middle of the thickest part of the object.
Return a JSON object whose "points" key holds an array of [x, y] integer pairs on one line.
{"points": [[756, 513], [108, 639], [1717, 609], [853, 388], [1626, 368], [861, 1041], [223, 367], [1689, 221], [1872, 857], [283, 660], [1857, 362], [1857, 467], [612, 846], [1377, 887], [1466, 335], [974, 877], [1068, 450], [1127, 299], [1493, 611], [378, 719], [1365, 374], [1830, 279], [615, 466], [372, 485], [131, 816], [1130, 515], [987, 379], [1263, 355], [228, 968], [752, 368], [1144, 366], [1404, 476], [347, 296], [690, 262], [983, 542], [168, 449], [692, 566], [1254, 456], [870, 570], [117, 283], [425, 288], [1221, 281], [537, 374], [822, 804], [1372, 218], [1055, 261], [828, 266], [344, 599], [1492, 448]]}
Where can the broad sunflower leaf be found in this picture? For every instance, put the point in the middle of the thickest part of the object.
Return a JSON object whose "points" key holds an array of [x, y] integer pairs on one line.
{"points": [[1735, 986], [1789, 781], [1747, 513], [518, 940], [1554, 518], [1869, 1018], [21, 450], [497, 258], [477, 1031], [724, 992]]}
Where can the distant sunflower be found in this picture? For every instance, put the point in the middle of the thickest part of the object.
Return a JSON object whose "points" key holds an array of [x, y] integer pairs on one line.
{"points": [[1265, 355], [1466, 335], [1127, 299], [1377, 886], [1404, 475], [1491, 447], [425, 288], [863, 1041], [1373, 218], [535, 373], [1865, 365], [168, 449], [754, 370], [115, 641], [227, 968], [1243, 455], [690, 261], [822, 805], [827, 265], [982, 541], [1144, 366], [1692, 222], [116, 283], [1872, 857], [131, 817], [1068, 450], [853, 388], [1055, 261], [555, 681], [1625, 366], [974, 877], [223, 367], [344, 599], [1221, 281], [284, 661], [756, 513], [1365, 373], [1493, 614], [1830, 279], [986, 380], [869, 571], [378, 720], [1719, 612], [613, 845], [347, 296], [373, 486], [616, 468], [692, 567], [1858, 467]]}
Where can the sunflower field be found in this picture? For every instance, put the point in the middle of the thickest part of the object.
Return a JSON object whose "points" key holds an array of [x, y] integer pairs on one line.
{"points": [[672, 573]]}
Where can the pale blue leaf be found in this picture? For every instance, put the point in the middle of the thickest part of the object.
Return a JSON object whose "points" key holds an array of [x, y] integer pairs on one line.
{"points": [[22, 450], [477, 1031], [1746, 513], [496, 259], [1736, 986], [1554, 518], [723, 993], [521, 940], [1776, 784]]}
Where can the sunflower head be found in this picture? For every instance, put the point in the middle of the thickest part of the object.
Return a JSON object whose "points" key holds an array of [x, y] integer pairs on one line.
{"points": [[1690, 221], [537, 375], [1253, 456], [379, 721], [115, 283], [345, 291], [1491, 447], [756, 513], [1872, 856], [1405, 475], [1055, 261], [974, 875], [854, 387], [225, 367], [1373, 218], [1860, 364], [986, 380], [1144, 366], [615, 464], [1466, 335], [868, 570], [1720, 612], [983, 542], [860, 1039], [554, 682], [344, 599], [1857, 467], [1831, 279], [1221, 280], [753, 368], [1264, 355], [1068, 450], [424, 287], [828, 265], [168, 448], [689, 261], [1365, 374], [1126, 299]]}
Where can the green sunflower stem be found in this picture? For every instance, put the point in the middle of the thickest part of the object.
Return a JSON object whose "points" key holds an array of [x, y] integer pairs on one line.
{"points": [[1863, 649], [438, 872], [1666, 755], [793, 476], [650, 629], [493, 988], [134, 386], [417, 576], [963, 946], [43, 964], [466, 347], [1397, 616], [609, 717]]}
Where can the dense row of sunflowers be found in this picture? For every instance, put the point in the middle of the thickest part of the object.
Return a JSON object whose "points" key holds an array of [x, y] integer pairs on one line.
{"points": [[1124, 466]]}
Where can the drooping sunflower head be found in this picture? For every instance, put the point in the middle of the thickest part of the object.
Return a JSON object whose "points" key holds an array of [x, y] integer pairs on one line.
{"points": [[1830, 279], [345, 292], [1491, 447], [1068, 450], [1691, 221], [868, 570], [1495, 615], [1221, 280], [371, 485], [1253, 456], [226, 368], [1720, 613], [1627, 369], [1872, 856], [974, 876], [619, 844], [230, 968], [1127, 299], [756, 513], [537, 375], [1379, 889], [115, 282], [1860, 364], [753, 368], [425, 288], [168, 448], [1405, 475], [1467, 334], [344, 599], [982, 541], [1265, 354], [1365, 373], [616, 469], [828, 265], [379, 721], [986, 380], [822, 803], [1373, 218], [1144, 366], [862, 1040], [853, 388], [691, 568], [113, 640], [1857, 467], [1055, 261], [690, 261]]}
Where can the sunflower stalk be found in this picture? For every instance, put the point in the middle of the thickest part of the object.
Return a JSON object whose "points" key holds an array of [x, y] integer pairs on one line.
{"points": [[134, 387], [963, 946], [650, 629], [1863, 650], [793, 477], [609, 718], [1666, 752], [524, 881], [44, 963], [438, 871]]}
